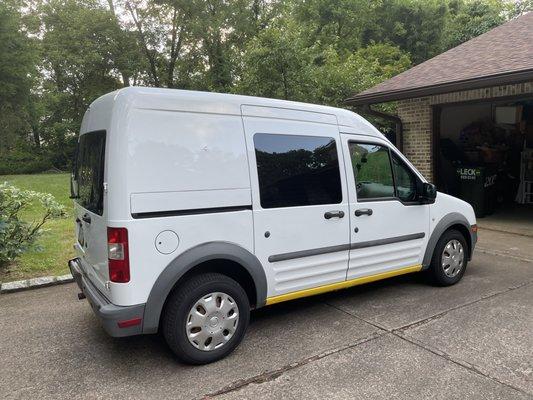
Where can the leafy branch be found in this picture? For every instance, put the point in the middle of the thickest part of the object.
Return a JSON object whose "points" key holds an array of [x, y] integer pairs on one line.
{"points": [[18, 236]]}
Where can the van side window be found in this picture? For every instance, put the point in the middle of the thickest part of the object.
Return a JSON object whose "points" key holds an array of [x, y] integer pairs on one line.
{"points": [[372, 170], [297, 170], [405, 180]]}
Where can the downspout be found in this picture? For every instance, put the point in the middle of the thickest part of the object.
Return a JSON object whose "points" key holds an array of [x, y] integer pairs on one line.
{"points": [[398, 125]]}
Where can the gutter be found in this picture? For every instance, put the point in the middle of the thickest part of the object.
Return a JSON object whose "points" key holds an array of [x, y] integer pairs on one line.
{"points": [[398, 125], [481, 82]]}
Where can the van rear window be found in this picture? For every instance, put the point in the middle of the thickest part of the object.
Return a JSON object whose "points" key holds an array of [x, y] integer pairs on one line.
{"points": [[89, 172]]}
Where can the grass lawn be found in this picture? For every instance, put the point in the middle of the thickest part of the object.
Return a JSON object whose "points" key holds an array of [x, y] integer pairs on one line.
{"points": [[56, 242]]}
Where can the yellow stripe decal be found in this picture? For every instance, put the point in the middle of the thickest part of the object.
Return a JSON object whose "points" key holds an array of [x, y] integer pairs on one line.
{"points": [[341, 285]]}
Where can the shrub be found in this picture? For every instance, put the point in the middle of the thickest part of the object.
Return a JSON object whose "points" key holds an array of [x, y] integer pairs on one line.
{"points": [[23, 161], [16, 235]]}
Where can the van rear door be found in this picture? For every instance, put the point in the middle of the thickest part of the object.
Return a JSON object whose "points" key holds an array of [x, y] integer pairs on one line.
{"points": [[89, 210]]}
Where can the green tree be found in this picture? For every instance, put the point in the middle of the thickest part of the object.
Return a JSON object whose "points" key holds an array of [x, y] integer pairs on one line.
{"points": [[57, 56], [18, 60], [81, 52], [277, 63], [415, 26], [337, 23], [194, 44], [471, 18], [163, 30], [337, 78]]}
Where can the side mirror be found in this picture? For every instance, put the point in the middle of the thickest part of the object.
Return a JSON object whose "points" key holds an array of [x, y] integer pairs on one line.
{"points": [[429, 192]]}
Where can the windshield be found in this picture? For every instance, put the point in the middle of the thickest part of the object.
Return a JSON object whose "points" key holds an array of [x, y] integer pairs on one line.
{"points": [[88, 173]]}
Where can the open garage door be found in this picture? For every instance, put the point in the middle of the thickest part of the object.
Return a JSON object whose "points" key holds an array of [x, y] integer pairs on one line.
{"points": [[483, 154]]}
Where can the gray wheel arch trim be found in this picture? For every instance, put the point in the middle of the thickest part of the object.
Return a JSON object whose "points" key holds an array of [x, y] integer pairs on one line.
{"points": [[188, 260], [448, 220]]}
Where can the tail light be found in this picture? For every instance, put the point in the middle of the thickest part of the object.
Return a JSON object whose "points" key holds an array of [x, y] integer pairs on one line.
{"points": [[117, 255]]}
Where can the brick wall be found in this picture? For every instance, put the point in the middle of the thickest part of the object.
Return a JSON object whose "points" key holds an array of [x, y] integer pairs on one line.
{"points": [[417, 120], [416, 115]]}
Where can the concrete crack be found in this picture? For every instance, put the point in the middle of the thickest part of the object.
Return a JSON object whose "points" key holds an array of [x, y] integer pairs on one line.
{"points": [[274, 374], [471, 367], [374, 324], [443, 313], [400, 333], [433, 317], [501, 254], [484, 228]]}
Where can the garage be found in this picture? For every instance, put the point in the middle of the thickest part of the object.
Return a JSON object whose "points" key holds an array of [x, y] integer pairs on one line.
{"points": [[485, 152], [465, 120]]}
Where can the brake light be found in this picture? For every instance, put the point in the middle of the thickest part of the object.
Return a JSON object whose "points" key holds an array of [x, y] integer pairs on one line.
{"points": [[117, 255]]}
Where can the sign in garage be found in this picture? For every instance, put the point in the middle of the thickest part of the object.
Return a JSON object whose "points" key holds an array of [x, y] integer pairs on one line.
{"points": [[477, 185]]}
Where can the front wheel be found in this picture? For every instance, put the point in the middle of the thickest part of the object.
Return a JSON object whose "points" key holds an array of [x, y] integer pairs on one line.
{"points": [[205, 318], [449, 260]]}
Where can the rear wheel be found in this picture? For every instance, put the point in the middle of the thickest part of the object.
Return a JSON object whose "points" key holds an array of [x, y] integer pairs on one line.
{"points": [[205, 318], [449, 260]]}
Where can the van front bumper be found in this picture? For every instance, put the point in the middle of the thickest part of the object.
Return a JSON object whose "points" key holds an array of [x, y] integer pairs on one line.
{"points": [[110, 315]]}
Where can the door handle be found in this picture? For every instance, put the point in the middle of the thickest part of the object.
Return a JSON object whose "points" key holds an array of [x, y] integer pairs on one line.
{"points": [[334, 214], [86, 218], [363, 211]]}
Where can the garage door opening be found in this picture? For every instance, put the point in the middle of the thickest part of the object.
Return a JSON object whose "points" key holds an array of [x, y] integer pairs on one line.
{"points": [[484, 155]]}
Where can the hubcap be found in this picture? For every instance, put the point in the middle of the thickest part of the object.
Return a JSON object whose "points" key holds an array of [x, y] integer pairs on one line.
{"points": [[453, 258], [212, 321]]}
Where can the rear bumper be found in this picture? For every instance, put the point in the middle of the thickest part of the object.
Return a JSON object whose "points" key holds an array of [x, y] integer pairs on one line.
{"points": [[109, 314]]}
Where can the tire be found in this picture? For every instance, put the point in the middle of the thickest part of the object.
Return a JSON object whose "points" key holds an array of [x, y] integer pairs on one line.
{"points": [[449, 272], [222, 312]]}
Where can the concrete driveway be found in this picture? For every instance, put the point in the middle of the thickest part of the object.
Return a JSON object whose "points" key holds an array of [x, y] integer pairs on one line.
{"points": [[399, 338]]}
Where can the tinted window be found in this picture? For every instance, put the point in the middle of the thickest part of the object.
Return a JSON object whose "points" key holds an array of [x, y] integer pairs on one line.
{"points": [[297, 170], [372, 170], [89, 172], [404, 179]]}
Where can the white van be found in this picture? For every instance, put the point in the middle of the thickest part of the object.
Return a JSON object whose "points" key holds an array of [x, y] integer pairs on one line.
{"points": [[194, 208]]}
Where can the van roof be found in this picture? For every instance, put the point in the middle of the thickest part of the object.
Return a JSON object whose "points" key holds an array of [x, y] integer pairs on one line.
{"points": [[220, 103]]}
